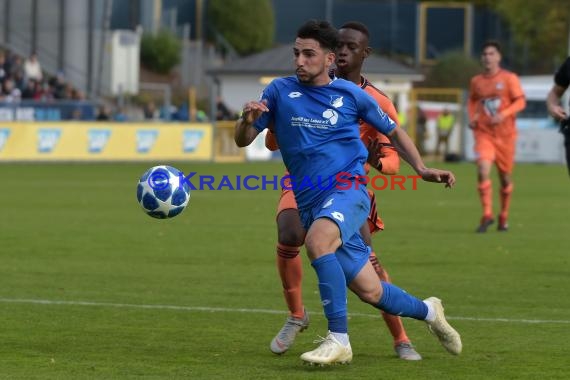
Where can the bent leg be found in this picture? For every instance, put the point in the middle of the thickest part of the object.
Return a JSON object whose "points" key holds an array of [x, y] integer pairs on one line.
{"points": [[486, 155], [290, 237], [395, 301], [323, 239], [505, 163], [393, 322], [385, 296]]}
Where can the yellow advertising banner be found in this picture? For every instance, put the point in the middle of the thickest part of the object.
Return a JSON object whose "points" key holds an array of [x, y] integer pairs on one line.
{"points": [[101, 141]]}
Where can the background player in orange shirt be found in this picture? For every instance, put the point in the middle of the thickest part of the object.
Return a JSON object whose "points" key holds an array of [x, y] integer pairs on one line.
{"points": [[353, 49], [495, 97]]}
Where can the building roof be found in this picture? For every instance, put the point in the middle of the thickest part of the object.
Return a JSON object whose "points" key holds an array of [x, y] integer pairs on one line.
{"points": [[279, 61]]}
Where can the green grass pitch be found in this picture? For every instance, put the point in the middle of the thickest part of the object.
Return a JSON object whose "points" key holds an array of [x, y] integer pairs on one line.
{"points": [[91, 288]]}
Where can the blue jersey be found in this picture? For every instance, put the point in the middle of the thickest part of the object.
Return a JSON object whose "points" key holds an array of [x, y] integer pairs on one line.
{"points": [[317, 129]]}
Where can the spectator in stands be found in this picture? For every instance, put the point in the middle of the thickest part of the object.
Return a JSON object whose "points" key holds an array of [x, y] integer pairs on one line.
{"points": [[201, 116], [44, 92], [3, 72], [29, 92], [150, 112], [78, 95], [59, 85], [403, 118], [182, 113], [121, 115], [11, 94], [32, 68], [445, 123], [103, 114], [223, 112], [15, 65], [168, 113], [19, 80], [68, 93]]}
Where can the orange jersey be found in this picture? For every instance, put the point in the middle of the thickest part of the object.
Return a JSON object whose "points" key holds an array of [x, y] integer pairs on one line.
{"points": [[490, 95], [391, 160]]}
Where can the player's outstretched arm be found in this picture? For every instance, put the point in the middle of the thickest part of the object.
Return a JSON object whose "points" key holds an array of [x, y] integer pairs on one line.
{"points": [[410, 154], [244, 132], [408, 150]]}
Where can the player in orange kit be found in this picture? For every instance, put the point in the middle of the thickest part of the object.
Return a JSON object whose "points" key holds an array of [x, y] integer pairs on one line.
{"points": [[353, 49], [495, 97]]}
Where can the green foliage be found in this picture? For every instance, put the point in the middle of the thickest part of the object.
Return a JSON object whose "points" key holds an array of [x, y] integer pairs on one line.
{"points": [[453, 69], [542, 26], [248, 25], [160, 52], [539, 29]]}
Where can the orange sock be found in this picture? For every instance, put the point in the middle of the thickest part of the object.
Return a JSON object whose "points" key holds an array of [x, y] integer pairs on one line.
{"points": [[506, 200], [486, 197], [393, 322], [291, 272]]}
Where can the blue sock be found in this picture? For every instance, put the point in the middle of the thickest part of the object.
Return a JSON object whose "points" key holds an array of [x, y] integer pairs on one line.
{"points": [[332, 286], [396, 301]]}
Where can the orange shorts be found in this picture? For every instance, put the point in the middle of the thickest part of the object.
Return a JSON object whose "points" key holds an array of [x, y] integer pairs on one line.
{"points": [[498, 149], [375, 223]]}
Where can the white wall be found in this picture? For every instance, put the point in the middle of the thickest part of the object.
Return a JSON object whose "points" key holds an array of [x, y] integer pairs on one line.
{"points": [[238, 90]]}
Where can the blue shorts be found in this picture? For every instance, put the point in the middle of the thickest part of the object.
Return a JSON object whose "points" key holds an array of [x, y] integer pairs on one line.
{"points": [[349, 209], [352, 256]]}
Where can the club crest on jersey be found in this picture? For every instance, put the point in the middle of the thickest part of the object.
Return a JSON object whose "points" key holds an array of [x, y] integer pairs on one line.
{"points": [[500, 86], [336, 101], [491, 106]]}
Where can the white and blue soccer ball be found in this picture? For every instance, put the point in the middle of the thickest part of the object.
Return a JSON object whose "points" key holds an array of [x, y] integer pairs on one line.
{"points": [[163, 192], [331, 115]]}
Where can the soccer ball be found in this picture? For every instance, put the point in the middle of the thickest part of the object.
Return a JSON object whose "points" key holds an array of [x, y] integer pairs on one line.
{"points": [[331, 115], [163, 192]]}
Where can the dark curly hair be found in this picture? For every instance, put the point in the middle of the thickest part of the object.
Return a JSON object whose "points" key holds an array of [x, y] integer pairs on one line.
{"points": [[321, 31]]}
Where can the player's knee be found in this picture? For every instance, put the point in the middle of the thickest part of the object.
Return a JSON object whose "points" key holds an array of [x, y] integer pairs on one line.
{"points": [[505, 179], [370, 296], [290, 230], [291, 237], [318, 245]]}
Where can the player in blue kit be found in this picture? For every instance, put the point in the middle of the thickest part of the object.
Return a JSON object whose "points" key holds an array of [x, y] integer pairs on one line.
{"points": [[316, 122]]}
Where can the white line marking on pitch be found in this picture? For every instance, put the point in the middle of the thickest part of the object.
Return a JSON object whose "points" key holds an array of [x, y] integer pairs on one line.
{"points": [[239, 310]]}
